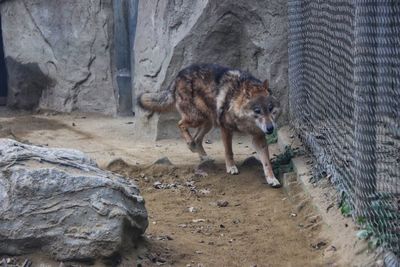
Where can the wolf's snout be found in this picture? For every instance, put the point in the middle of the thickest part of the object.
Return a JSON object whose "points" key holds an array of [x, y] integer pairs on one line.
{"points": [[270, 129], [266, 126]]}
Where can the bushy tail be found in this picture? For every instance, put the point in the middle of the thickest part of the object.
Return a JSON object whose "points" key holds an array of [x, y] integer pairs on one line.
{"points": [[158, 102]]}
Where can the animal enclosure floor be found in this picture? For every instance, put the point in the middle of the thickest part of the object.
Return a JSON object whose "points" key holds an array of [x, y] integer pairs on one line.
{"points": [[217, 220]]}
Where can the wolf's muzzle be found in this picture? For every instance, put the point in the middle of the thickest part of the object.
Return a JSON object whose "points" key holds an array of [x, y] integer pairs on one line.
{"points": [[269, 129]]}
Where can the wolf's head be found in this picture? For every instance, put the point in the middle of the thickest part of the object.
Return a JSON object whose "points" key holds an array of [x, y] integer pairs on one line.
{"points": [[260, 106]]}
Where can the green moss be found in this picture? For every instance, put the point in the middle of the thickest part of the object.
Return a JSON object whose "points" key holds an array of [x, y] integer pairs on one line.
{"points": [[282, 163], [272, 138]]}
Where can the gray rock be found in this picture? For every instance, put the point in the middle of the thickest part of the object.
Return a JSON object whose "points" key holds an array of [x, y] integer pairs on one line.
{"points": [[246, 34], [163, 161], [58, 201], [222, 203], [207, 163], [251, 162], [58, 54]]}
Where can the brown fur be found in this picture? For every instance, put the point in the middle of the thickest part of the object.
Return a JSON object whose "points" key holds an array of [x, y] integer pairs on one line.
{"points": [[207, 96]]}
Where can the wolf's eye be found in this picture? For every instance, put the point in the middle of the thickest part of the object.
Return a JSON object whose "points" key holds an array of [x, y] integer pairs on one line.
{"points": [[257, 111]]}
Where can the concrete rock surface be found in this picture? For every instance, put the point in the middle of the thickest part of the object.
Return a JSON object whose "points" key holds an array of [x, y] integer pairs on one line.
{"points": [[58, 54], [58, 201]]}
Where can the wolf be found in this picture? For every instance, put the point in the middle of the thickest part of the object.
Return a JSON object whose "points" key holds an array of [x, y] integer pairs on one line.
{"points": [[211, 95]]}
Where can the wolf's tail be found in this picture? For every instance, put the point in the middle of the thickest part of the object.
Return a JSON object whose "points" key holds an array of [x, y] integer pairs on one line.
{"points": [[158, 102]]}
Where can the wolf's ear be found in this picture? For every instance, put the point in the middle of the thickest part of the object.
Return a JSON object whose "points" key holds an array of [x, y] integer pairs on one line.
{"points": [[266, 86]]}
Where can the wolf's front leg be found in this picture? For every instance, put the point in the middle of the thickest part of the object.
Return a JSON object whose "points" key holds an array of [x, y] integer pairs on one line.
{"points": [[227, 140], [261, 146]]}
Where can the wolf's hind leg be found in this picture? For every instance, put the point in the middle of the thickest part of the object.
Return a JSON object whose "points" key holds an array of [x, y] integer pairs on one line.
{"points": [[198, 140], [227, 140], [184, 128]]}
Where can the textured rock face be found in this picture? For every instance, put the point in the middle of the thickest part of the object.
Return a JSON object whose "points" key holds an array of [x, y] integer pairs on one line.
{"points": [[58, 54], [61, 56], [60, 202], [246, 34]]}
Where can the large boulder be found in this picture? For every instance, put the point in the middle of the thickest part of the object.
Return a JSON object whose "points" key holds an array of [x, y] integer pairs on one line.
{"points": [[246, 34], [58, 201]]}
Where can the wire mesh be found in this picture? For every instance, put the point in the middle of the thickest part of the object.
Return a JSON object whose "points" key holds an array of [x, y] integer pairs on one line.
{"points": [[344, 76]]}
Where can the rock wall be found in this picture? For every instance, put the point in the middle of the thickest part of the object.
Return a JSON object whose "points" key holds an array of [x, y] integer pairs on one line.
{"points": [[62, 55], [246, 34], [58, 54]]}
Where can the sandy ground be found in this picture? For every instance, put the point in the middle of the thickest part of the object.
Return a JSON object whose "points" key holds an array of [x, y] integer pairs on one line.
{"points": [[218, 220]]}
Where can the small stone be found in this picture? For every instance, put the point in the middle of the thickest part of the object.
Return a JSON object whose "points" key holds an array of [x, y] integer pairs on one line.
{"points": [[222, 203], [163, 161], [318, 245], [251, 162], [293, 214], [157, 185], [182, 225], [204, 191], [200, 173], [198, 220], [164, 237], [207, 164], [192, 209], [199, 252]]}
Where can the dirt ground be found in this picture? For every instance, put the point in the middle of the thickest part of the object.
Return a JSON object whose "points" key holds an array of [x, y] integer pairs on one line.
{"points": [[217, 220]]}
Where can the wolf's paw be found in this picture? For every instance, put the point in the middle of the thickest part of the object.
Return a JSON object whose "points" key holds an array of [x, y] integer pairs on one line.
{"points": [[232, 169], [273, 182]]}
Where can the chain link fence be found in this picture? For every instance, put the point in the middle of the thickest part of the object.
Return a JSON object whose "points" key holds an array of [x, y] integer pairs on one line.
{"points": [[344, 75]]}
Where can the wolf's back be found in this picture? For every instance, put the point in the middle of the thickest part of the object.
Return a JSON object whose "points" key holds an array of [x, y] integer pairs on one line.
{"points": [[157, 102]]}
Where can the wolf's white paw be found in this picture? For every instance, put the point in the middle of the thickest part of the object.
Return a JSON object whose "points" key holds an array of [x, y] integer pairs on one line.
{"points": [[273, 182], [232, 169]]}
